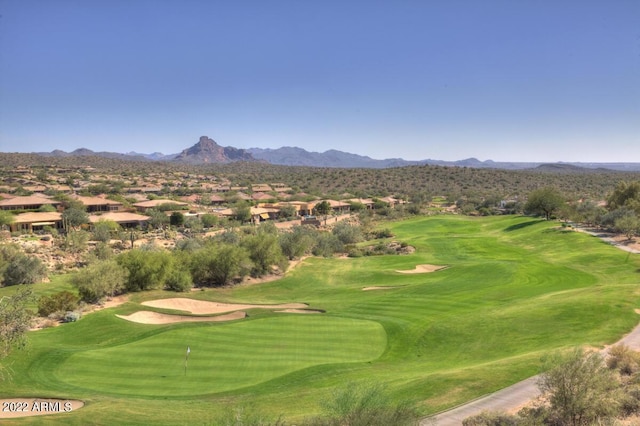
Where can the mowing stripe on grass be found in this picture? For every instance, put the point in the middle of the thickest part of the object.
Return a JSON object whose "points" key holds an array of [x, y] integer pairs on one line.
{"points": [[223, 357]]}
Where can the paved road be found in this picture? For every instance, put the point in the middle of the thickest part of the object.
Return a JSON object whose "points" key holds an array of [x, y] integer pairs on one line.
{"points": [[509, 398]]}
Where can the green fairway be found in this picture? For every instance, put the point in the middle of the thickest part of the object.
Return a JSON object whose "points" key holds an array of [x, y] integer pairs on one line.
{"points": [[515, 288]]}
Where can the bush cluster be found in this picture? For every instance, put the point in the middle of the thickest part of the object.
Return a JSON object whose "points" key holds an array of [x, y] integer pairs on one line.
{"points": [[579, 389]]}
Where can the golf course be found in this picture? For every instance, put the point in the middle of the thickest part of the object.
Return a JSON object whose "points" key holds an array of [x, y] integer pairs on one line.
{"points": [[471, 311]]}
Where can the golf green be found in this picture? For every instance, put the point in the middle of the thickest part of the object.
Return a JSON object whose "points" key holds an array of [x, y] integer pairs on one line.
{"points": [[223, 358]]}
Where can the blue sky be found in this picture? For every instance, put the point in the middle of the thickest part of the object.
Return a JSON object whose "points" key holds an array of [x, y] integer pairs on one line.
{"points": [[512, 80]]}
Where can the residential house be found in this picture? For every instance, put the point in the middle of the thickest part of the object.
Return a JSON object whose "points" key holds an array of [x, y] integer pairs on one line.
{"points": [[143, 206], [31, 202], [124, 219], [99, 204], [36, 221]]}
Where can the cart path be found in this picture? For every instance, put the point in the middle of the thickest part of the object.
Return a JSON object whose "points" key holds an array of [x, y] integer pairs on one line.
{"points": [[512, 397]]}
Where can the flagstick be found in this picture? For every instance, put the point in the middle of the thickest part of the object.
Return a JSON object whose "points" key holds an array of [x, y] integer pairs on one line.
{"points": [[186, 359]]}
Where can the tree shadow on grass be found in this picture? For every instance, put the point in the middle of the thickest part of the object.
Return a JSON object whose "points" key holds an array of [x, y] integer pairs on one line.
{"points": [[522, 225]]}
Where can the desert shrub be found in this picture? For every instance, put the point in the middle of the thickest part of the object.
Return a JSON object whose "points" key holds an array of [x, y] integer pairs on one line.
{"points": [[353, 251], [75, 241], [297, 242], [327, 245], [147, 269], [61, 301], [347, 233], [99, 280], [179, 280], [104, 230], [24, 269], [188, 244], [176, 219], [71, 316], [363, 405], [48, 323], [264, 251], [608, 220], [246, 416], [624, 360], [383, 233], [580, 389], [219, 264], [209, 220], [491, 418]]}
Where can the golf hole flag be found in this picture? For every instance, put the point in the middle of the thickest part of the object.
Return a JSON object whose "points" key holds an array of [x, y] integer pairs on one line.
{"points": [[186, 359]]}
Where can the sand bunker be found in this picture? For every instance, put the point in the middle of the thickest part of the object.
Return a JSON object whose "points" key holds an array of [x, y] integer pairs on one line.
{"points": [[148, 317], [301, 311], [381, 287], [201, 307], [423, 269], [24, 407]]}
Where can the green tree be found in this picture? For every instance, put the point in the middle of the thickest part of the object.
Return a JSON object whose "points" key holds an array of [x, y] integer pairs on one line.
{"points": [[99, 280], [193, 224], [59, 302], [209, 220], [287, 211], [323, 208], [347, 233], [15, 320], [241, 212], [589, 212], [219, 264], [104, 230], [355, 206], [544, 201], [626, 194], [157, 218], [327, 245], [147, 269], [176, 219], [47, 208], [24, 269], [264, 251], [205, 200], [179, 279], [74, 218], [6, 219], [628, 225], [8, 252], [297, 242]]}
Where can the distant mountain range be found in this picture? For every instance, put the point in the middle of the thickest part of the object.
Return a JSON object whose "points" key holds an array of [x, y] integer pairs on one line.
{"points": [[207, 151]]}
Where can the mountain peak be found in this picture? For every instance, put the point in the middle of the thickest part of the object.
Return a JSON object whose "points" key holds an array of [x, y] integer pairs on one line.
{"points": [[206, 150]]}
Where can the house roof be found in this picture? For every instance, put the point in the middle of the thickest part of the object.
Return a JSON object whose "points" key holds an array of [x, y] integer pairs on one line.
{"points": [[118, 217], [96, 201], [35, 217], [156, 203], [365, 201], [30, 200], [261, 187], [262, 196], [332, 203]]}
